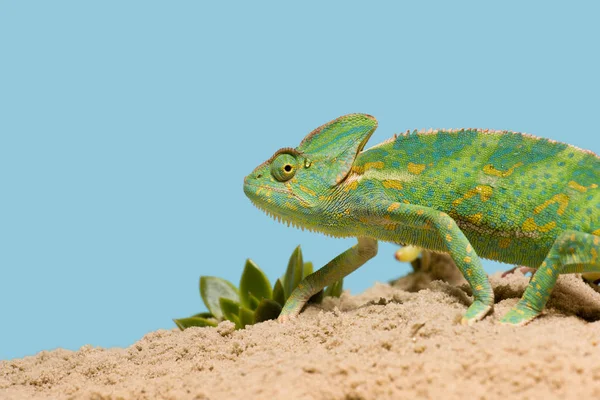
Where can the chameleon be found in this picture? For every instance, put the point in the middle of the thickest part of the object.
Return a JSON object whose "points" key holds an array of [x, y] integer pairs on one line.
{"points": [[471, 193]]}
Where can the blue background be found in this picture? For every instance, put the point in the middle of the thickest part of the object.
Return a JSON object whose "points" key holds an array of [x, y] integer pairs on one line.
{"points": [[126, 129]]}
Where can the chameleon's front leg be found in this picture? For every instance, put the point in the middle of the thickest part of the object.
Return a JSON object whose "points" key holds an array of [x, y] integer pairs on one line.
{"points": [[333, 271], [452, 241]]}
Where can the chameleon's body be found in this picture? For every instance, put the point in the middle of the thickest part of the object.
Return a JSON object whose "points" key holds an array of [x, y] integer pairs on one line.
{"points": [[501, 195]]}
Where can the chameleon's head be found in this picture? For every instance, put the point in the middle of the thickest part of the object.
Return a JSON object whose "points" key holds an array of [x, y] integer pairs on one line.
{"points": [[296, 185]]}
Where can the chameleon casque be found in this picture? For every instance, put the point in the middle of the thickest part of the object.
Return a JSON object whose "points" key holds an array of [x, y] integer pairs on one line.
{"points": [[472, 193]]}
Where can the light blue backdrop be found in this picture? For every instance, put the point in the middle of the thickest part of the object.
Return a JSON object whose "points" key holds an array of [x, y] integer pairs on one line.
{"points": [[126, 129]]}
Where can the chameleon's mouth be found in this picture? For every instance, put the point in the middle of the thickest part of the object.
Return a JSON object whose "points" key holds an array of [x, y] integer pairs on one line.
{"points": [[252, 192], [289, 222], [279, 218]]}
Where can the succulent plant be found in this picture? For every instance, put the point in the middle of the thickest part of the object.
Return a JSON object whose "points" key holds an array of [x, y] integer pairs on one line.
{"points": [[255, 300]]}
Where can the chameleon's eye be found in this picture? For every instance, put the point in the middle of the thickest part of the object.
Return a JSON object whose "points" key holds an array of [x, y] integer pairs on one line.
{"points": [[284, 167]]}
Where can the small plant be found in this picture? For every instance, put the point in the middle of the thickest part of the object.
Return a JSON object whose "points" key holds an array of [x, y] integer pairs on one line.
{"points": [[255, 300]]}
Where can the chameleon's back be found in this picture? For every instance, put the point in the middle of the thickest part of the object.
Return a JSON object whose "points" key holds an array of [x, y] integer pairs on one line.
{"points": [[512, 194]]}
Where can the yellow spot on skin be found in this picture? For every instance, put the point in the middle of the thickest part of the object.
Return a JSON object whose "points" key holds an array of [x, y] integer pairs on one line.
{"points": [[290, 206], [490, 170], [449, 225], [406, 201], [538, 287], [475, 218], [351, 186], [594, 256], [562, 200], [581, 188], [360, 169], [504, 243], [478, 287], [484, 192], [549, 272], [449, 238], [530, 225], [538, 294], [415, 168], [469, 249], [469, 272], [596, 240], [390, 227], [393, 206], [307, 190], [393, 184], [467, 259], [419, 212]]}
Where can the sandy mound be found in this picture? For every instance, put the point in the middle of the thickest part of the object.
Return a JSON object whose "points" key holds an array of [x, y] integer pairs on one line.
{"points": [[384, 344]]}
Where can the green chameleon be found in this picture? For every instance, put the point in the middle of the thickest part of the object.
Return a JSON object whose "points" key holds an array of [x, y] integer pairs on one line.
{"points": [[472, 193]]}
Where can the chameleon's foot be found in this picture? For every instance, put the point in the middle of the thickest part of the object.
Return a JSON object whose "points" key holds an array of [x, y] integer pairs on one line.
{"points": [[519, 315], [476, 312], [291, 310], [282, 319], [521, 269], [407, 253]]}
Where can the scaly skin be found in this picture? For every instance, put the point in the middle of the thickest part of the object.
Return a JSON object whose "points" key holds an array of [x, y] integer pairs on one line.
{"points": [[471, 193]]}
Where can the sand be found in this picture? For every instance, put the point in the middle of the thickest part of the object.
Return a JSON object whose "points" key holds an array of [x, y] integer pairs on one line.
{"points": [[387, 343]]}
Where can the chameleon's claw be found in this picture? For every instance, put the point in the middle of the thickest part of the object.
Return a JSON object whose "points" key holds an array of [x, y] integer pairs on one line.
{"points": [[519, 268], [476, 312], [282, 319], [519, 315]]}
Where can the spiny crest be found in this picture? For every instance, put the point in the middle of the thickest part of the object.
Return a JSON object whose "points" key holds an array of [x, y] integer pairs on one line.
{"points": [[459, 131]]}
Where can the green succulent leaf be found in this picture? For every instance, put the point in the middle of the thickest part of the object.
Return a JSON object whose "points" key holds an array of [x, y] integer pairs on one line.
{"points": [[246, 317], [267, 309], [212, 289], [256, 300], [335, 289], [254, 283], [204, 315], [307, 269], [253, 302], [278, 293], [293, 274], [229, 308], [183, 323]]}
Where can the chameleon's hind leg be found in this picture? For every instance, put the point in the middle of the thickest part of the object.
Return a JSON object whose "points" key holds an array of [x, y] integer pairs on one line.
{"points": [[333, 271], [571, 252]]}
